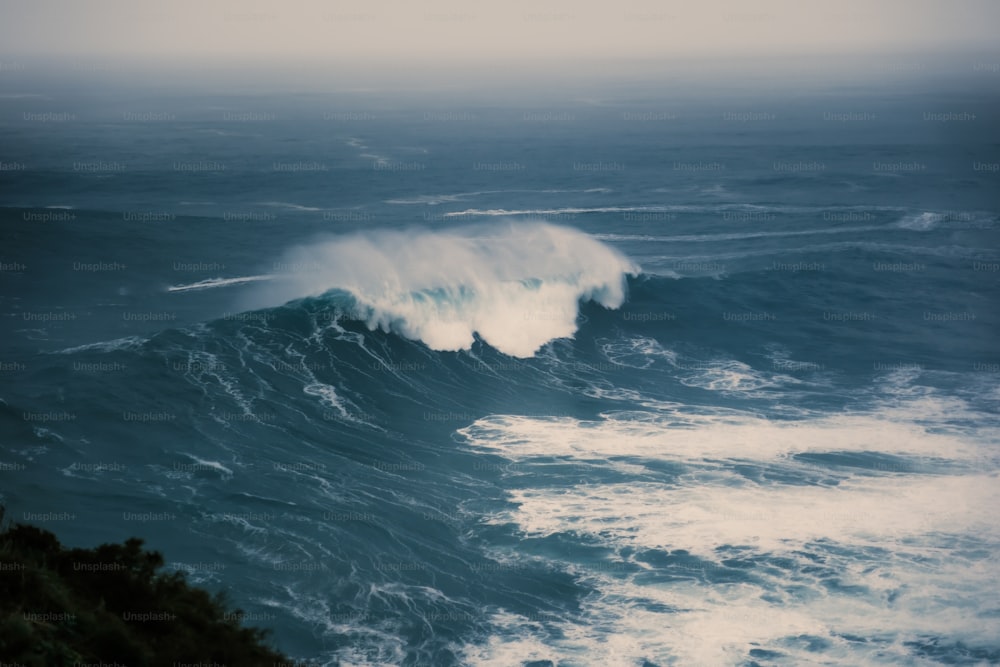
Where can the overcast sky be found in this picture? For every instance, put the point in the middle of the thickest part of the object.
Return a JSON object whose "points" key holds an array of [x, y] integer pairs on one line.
{"points": [[451, 29]]}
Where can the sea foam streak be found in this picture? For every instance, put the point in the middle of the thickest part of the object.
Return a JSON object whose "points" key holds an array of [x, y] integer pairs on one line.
{"points": [[896, 547], [516, 285], [216, 282]]}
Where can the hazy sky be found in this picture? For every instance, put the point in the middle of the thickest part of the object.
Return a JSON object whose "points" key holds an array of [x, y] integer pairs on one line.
{"points": [[450, 29]]}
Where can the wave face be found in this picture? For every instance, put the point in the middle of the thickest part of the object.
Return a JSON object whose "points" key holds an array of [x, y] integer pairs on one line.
{"points": [[518, 286]]}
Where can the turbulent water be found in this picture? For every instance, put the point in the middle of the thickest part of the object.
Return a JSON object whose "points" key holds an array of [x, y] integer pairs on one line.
{"points": [[609, 379]]}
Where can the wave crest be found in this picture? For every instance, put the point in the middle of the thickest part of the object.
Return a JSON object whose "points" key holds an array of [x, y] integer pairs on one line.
{"points": [[516, 285]]}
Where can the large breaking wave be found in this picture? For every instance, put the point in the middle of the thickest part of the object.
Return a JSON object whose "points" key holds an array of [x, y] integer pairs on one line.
{"points": [[515, 285]]}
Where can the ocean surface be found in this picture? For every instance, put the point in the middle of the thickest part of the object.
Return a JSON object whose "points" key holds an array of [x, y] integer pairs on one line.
{"points": [[631, 372]]}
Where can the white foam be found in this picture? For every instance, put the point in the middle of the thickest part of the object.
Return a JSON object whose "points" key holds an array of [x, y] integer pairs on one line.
{"points": [[731, 376], [217, 282], [921, 221], [516, 285], [430, 200], [434, 200], [733, 209], [567, 210], [835, 247], [680, 434], [126, 343], [712, 506], [43, 434], [736, 236], [203, 366], [891, 558], [328, 396], [637, 352], [289, 205], [690, 622], [205, 463], [706, 513]]}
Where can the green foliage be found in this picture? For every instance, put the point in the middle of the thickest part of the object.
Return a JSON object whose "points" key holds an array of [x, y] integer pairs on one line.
{"points": [[59, 607]]}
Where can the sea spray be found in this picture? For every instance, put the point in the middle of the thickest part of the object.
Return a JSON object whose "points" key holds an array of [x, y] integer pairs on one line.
{"points": [[516, 285]]}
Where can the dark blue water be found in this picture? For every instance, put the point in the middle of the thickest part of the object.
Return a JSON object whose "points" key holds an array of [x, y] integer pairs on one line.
{"points": [[624, 376]]}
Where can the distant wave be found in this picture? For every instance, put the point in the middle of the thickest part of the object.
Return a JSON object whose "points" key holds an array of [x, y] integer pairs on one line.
{"points": [[217, 282], [734, 209], [516, 285], [919, 221], [733, 236], [126, 343], [905, 250], [433, 200], [289, 205], [927, 220], [500, 212]]}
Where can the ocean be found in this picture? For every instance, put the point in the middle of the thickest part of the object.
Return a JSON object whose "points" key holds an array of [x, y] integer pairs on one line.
{"points": [[623, 371]]}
